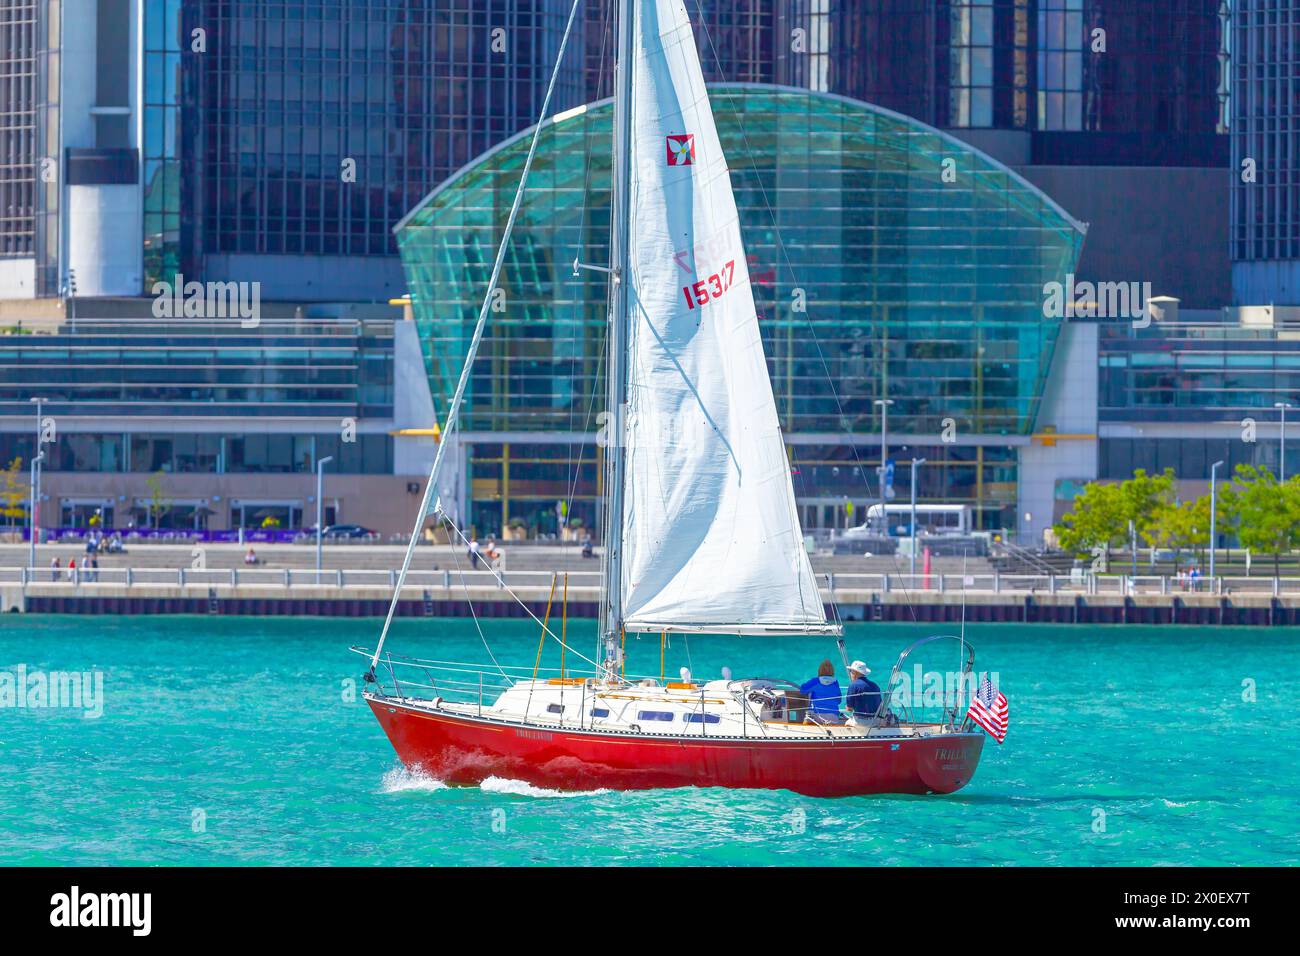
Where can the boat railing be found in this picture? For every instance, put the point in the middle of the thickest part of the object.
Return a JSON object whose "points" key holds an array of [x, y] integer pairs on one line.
{"points": [[905, 702], [412, 678], [422, 680]]}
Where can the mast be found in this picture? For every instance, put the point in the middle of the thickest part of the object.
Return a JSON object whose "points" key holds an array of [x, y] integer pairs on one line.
{"points": [[617, 344]]}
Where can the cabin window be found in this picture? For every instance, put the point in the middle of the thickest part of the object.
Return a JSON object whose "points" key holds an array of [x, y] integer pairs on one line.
{"points": [[600, 711], [654, 715], [702, 718], [555, 708]]}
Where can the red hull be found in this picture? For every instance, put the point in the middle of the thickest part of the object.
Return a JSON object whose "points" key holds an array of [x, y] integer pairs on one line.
{"points": [[466, 750]]}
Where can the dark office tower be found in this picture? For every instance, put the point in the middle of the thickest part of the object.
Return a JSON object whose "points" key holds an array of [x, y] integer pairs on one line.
{"points": [[325, 121], [1265, 120], [879, 51], [1126, 83], [17, 128], [982, 64]]}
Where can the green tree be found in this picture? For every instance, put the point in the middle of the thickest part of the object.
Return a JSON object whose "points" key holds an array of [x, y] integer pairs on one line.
{"points": [[1143, 497], [14, 490], [1096, 519], [159, 503], [1101, 514], [1183, 526], [1264, 511]]}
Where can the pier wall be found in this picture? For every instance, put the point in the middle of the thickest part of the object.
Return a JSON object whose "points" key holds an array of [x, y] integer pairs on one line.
{"points": [[433, 602]]}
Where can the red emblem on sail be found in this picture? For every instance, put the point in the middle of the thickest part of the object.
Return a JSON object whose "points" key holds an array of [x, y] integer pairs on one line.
{"points": [[681, 150]]}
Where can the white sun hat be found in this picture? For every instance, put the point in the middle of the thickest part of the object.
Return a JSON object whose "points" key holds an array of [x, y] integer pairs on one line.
{"points": [[860, 667]]}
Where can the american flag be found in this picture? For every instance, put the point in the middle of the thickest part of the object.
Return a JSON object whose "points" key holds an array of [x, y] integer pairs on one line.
{"points": [[989, 710]]}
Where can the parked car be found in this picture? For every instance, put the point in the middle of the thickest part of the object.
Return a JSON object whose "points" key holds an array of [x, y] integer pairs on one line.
{"points": [[349, 531]]}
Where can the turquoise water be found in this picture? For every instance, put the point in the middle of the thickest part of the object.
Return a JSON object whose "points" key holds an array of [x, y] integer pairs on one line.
{"points": [[231, 741]]}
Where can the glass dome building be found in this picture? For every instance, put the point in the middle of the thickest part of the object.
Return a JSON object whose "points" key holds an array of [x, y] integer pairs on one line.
{"points": [[888, 259]]}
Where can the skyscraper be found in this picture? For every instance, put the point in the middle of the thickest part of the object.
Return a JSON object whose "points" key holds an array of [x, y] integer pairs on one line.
{"points": [[1265, 141], [280, 141], [276, 141]]}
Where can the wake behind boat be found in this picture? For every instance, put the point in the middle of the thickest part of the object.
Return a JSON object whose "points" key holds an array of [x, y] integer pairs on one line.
{"points": [[700, 527]]}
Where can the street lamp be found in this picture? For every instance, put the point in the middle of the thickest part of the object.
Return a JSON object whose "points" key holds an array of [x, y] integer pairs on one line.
{"points": [[1214, 472], [36, 459], [31, 512], [320, 482], [1281, 465], [884, 404], [915, 463]]}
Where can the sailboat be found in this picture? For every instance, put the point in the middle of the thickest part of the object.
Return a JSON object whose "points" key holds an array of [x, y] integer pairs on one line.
{"points": [[701, 535]]}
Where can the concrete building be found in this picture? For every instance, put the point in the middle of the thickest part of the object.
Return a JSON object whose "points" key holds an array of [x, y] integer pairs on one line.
{"points": [[196, 425]]}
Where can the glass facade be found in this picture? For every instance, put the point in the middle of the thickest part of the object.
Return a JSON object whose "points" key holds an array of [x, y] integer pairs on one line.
{"points": [[873, 277], [1266, 135], [205, 453], [966, 40], [324, 121], [1062, 42], [309, 127], [340, 369], [18, 28], [1127, 83], [169, 166], [1191, 458], [1196, 375], [1213, 372], [49, 63]]}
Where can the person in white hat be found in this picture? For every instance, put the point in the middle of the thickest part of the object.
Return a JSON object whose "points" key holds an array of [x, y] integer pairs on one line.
{"points": [[863, 698]]}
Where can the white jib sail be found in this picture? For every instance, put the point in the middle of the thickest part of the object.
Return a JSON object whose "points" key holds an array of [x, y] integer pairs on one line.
{"points": [[711, 536]]}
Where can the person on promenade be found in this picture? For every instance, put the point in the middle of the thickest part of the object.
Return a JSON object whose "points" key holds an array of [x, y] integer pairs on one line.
{"points": [[823, 693], [473, 554], [54, 569]]}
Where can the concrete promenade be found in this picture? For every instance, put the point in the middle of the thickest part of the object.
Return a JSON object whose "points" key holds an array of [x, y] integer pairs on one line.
{"points": [[357, 581]]}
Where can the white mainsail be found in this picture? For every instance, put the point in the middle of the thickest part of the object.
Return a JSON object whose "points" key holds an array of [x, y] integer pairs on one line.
{"points": [[711, 537]]}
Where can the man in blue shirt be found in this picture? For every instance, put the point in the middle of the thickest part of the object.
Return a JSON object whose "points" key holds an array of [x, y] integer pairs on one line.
{"points": [[864, 695]]}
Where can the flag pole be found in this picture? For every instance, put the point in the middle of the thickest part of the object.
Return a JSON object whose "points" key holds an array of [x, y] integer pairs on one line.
{"points": [[961, 660]]}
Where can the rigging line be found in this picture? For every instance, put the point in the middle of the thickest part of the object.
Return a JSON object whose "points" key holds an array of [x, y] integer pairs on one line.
{"points": [[454, 412], [474, 614], [518, 600], [780, 242], [575, 472]]}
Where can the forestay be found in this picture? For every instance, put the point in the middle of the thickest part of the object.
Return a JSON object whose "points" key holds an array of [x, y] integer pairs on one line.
{"points": [[711, 536]]}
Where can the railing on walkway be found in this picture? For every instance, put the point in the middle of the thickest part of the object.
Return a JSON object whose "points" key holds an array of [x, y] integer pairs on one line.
{"points": [[453, 579], [1015, 552]]}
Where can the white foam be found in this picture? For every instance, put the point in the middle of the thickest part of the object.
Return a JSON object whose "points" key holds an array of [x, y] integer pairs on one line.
{"points": [[400, 780], [521, 789]]}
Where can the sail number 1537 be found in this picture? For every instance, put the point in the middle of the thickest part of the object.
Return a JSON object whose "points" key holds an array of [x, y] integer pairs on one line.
{"points": [[706, 290]]}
